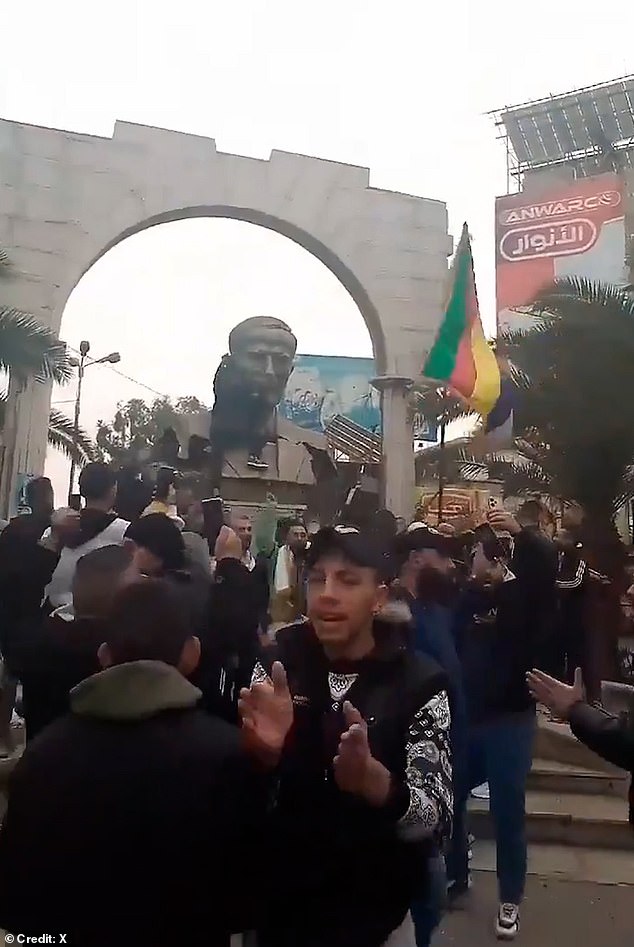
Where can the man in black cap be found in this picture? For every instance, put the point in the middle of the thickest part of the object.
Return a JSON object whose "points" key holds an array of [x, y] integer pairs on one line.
{"points": [[222, 610], [504, 628], [427, 583], [159, 551], [365, 777]]}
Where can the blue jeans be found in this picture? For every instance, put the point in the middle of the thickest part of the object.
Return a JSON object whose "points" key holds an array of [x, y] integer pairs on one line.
{"points": [[499, 752], [428, 911]]}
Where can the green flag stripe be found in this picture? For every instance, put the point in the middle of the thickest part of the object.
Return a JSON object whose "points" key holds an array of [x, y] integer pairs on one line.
{"points": [[441, 361]]}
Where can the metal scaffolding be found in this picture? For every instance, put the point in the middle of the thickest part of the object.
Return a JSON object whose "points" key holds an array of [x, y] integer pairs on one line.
{"points": [[588, 130]]}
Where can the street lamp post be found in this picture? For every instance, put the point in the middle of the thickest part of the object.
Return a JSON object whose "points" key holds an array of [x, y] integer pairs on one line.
{"points": [[112, 359]]}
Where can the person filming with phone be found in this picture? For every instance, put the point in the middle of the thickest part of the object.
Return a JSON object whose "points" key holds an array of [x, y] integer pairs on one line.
{"points": [[505, 621]]}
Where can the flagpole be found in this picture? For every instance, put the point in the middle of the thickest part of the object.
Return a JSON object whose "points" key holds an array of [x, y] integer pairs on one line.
{"points": [[441, 455]]}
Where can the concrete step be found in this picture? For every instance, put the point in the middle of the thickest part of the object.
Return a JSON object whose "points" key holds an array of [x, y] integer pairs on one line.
{"points": [[566, 863], [555, 741], [592, 821], [555, 777]]}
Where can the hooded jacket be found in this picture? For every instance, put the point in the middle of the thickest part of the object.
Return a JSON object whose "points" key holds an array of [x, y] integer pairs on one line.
{"points": [[229, 639], [504, 631], [610, 737], [96, 529], [343, 872], [26, 568], [51, 654], [132, 820]]}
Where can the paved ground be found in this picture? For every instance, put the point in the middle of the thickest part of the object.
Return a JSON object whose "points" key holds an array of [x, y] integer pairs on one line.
{"points": [[555, 914]]}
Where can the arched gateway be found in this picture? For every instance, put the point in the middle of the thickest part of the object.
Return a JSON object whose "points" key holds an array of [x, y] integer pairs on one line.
{"points": [[66, 198]]}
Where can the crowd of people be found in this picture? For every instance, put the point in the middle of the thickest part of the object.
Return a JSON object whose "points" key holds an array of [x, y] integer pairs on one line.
{"points": [[275, 735]]}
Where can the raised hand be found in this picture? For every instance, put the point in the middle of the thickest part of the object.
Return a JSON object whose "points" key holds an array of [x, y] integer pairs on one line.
{"points": [[228, 545], [356, 771], [503, 522], [353, 754], [554, 694], [266, 709]]}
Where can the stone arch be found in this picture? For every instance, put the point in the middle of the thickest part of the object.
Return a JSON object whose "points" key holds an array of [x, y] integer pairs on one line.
{"points": [[315, 247], [66, 198]]}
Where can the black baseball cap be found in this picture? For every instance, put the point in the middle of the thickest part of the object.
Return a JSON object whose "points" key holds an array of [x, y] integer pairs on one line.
{"points": [[357, 547], [419, 536], [157, 533]]}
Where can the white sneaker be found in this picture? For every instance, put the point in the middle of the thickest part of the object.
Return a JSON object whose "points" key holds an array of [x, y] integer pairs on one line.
{"points": [[507, 922], [481, 792]]}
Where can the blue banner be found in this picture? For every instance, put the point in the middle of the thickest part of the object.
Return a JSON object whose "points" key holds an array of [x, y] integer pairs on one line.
{"points": [[321, 386]]}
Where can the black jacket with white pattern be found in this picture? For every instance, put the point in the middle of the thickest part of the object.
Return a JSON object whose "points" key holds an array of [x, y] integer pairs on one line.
{"points": [[349, 870]]}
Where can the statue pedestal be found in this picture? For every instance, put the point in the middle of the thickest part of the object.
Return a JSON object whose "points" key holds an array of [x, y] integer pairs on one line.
{"points": [[296, 462]]}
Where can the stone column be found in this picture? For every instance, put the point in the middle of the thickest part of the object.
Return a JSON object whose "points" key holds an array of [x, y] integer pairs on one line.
{"points": [[397, 476]]}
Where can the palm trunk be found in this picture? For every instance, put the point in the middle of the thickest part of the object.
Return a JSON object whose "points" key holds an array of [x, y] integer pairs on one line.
{"points": [[9, 438], [605, 554]]}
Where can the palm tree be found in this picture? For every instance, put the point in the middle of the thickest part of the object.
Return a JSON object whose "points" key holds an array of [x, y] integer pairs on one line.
{"points": [[61, 435], [29, 349], [438, 406], [575, 418]]}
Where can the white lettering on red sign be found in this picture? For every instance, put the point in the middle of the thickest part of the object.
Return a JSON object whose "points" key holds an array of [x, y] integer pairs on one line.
{"points": [[550, 209], [550, 239]]}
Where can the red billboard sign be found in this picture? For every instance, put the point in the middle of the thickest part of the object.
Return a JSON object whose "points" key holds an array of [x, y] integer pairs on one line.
{"points": [[573, 230]]}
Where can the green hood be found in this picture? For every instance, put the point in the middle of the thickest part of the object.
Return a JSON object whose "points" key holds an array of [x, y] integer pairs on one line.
{"points": [[133, 691]]}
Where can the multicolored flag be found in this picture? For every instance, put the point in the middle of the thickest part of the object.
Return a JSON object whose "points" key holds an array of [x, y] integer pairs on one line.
{"points": [[461, 356]]}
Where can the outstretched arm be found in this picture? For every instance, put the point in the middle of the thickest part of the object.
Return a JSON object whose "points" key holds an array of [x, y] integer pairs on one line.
{"points": [[609, 737]]}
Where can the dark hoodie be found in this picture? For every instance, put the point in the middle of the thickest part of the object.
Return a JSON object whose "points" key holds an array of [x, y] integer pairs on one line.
{"points": [[116, 809], [505, 630], [341, 871], [26, 568], [50, 655]]}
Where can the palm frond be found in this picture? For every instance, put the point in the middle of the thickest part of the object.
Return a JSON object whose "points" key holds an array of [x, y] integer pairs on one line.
{"points": [[475, 470], [520, 477], [5, 263], [626, 492], [509, 339], [428, 460], [29, 349], [438, 408], [575, 298], [61, 436]]}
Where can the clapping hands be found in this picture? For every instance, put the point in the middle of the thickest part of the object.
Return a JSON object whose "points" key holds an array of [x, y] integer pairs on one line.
{"points": [[266, 709]]}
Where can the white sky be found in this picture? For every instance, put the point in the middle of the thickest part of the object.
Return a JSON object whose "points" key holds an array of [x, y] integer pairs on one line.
{"points": [[400, 87]]}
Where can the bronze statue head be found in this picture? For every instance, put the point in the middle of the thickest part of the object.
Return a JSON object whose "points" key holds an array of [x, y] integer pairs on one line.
{"points": [[262, 349]]}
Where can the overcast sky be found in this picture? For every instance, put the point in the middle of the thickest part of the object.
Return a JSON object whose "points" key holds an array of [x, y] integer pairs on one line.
{"points": [[401, 87]]}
